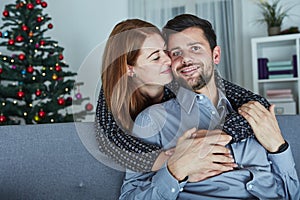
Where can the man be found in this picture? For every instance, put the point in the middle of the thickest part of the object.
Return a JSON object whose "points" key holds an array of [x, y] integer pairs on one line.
{"points": [[201, 167]]}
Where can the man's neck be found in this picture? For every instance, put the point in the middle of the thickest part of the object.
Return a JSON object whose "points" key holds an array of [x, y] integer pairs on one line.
{"points": [[211, 91]]}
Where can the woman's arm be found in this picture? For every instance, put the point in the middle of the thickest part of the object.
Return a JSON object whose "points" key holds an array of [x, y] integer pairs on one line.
{"points": [[122, 147], [235, 124], [137, 155]]}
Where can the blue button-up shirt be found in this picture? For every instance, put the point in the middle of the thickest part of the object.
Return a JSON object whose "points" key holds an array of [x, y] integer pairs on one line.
{"points": [[259, 176]]}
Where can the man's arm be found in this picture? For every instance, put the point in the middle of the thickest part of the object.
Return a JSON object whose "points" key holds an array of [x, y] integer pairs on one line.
{"points": [[267, 132]]}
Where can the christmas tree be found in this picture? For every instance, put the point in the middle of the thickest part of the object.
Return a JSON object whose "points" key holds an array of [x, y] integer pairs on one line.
{"points": [[34, 88]]}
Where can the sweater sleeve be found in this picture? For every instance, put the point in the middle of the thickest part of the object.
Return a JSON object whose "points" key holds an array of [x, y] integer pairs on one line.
{"points": [[235, 124], [122, 147]]}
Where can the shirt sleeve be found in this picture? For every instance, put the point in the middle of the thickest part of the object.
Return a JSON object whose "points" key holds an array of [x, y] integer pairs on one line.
{"points": [[283, 166], [281, 182], [149, 186]]}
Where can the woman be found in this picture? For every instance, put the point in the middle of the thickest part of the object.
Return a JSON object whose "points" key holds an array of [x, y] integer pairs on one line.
{"points": [[134, 70]]}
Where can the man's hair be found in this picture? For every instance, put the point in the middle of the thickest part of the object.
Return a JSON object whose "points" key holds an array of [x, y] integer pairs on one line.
{"points": [[184, 21]]}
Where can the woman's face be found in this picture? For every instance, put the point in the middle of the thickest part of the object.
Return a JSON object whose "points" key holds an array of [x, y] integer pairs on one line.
{"points": [[153, 65]]}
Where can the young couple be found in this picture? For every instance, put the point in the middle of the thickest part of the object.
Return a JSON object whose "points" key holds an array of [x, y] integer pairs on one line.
{"points": [[238, 162]]}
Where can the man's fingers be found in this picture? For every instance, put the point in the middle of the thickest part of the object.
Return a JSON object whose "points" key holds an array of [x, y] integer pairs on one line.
{"points": [[220, 159]]}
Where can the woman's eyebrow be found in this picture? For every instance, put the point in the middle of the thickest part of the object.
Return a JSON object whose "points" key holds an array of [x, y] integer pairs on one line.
{"points": [[153, 53]]}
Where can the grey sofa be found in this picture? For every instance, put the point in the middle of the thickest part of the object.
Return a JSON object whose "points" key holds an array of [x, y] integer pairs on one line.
{"points": [[59, 161]]}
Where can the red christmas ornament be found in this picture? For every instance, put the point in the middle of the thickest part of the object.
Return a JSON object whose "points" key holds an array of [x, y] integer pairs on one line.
{"points": [[5, 13], [58, 68], [21, 56], [38, 1], [2, 118], [50, 26], [42, 42], [61, 101], [60, 57], [30, 6], [19, 38], [30, 69], [1, 70], [39, 19], [0, 34], [42, 113], [20, 94], [25, 28], [44, 4], [38, 92], [11, 42], [89, 107]]}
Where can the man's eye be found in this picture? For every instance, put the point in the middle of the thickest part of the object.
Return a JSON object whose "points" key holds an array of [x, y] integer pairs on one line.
{"points": [[175, 53], [196, 48]]}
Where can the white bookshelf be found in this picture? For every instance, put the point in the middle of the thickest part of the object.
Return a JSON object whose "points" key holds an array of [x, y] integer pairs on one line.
{"points": [[276, 48]]}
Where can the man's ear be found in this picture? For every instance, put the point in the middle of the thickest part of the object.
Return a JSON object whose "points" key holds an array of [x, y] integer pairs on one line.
{"points": [[217, 54]]}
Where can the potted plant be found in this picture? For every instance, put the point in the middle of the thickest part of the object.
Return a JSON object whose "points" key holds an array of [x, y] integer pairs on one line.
{"points": [[273, 15]]}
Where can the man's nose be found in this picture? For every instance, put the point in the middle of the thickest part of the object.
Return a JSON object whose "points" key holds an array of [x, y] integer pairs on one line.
{"points": [[186, 58]]}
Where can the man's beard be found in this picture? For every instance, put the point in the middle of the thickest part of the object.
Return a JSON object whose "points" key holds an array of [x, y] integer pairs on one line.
{"points": [[200, 82]]}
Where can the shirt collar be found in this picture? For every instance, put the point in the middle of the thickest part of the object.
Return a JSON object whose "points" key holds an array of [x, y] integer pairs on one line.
{"points": [[186, 99]]}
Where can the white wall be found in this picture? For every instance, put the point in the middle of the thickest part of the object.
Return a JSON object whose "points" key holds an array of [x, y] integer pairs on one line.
{"points": [[81, 27], [251, 28]]}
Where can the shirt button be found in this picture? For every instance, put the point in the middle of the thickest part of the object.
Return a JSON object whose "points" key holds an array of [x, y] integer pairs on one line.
{"points": [[181, 189], [270, 162], [200, 97], [213, 112], [250, 186], [173, 190]]}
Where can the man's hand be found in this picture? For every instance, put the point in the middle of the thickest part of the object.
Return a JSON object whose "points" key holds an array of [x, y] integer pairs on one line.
{"points": [[200, 155], [264, 124]]}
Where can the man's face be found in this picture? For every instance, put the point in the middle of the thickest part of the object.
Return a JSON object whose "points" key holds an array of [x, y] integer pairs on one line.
{"points": [[192, 58]]}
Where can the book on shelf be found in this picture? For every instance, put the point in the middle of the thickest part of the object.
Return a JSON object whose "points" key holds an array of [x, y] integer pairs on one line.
{"points": [[278, 91], [295, 65], [262, 68], [279, 63], [282, 68], [279, 95], [277, 69], [279, 76]]}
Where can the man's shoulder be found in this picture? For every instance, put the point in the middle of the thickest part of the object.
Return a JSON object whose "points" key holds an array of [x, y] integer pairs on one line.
{"points": [[156, 113]]}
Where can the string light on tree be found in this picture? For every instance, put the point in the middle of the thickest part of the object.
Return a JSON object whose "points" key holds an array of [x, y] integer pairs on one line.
{"points": [[37, 118]]}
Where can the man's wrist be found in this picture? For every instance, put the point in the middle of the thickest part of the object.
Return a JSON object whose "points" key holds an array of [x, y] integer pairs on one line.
{"points": [[175, 173], [284, 146]]}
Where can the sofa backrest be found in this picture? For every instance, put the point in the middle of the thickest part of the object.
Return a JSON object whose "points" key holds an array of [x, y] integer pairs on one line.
{"points": [[51, 161]]}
